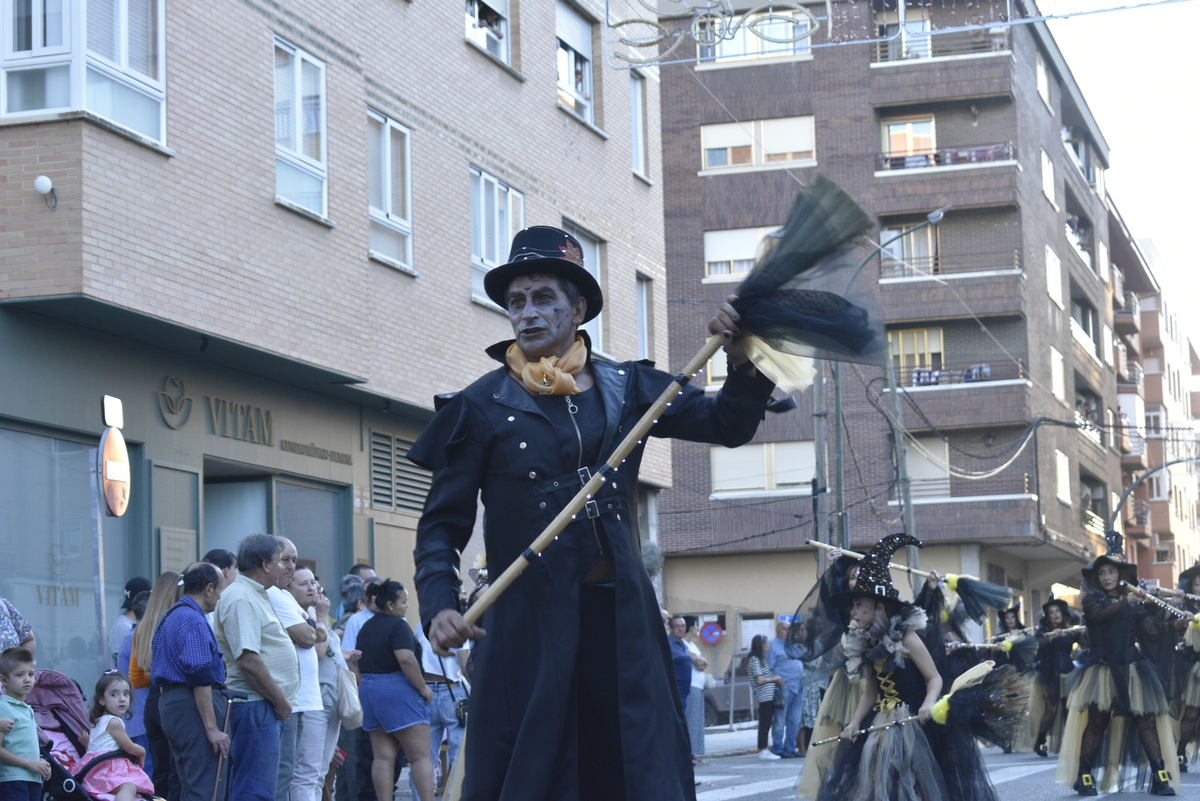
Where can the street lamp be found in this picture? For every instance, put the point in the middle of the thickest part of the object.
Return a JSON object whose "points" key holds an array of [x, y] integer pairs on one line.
{"points": [[932, 218], [1112, 522]]}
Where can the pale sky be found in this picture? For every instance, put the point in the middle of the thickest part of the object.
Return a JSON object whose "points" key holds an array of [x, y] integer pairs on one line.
{"points": [[1140, 76]]}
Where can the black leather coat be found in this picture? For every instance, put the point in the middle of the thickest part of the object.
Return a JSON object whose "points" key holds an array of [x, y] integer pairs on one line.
{"points": [[492, 440]]}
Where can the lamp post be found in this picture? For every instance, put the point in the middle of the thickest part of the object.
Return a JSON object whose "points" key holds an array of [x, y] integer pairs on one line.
{"points": [[1112, 521], [933, 218]]}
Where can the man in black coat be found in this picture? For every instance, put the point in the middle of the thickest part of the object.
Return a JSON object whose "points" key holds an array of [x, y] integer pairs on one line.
{"points": [[574, 693]]}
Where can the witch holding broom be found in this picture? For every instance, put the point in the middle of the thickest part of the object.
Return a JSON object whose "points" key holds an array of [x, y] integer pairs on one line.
{"points": [[573, 695]]}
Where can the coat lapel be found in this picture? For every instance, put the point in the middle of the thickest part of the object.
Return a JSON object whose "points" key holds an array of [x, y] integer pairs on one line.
{"points": [[611, 382]]}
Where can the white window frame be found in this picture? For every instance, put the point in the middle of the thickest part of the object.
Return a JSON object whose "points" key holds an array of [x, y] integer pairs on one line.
{"points": [[907, 255], [914, 157], [387, 217], [37, 32], [1156, 422], [1054, 282], [1043, 80], [713, 136], [717, 370], [508, 218], [644, 300], [487, 37], [1062, 478], [1058, 381], [745, 44], [1048, 185], [929, 477], [593, 258], [716, 242], [1159, 486], [767, 481], [638, 127], [297, 159], [574, 56]]}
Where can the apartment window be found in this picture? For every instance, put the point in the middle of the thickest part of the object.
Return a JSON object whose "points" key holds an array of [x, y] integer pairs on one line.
{"points": [[644, 300], [913, 43], [753, 38], [718, 369], [1155, 423], [763, 467], [497, 212], [909, 143], [1160, 487], [758, 143], [574, 60], [390, 190], [1043, 79], [1163, 556], [1084, 325], [1058, 381], [917, 354], [1152, 365], [592, 263], [487, 26], [1048, 177], [1054, 283], [907, 254], [637, 117], [732, 253], [928, 467], [1062, 476], [300, 175]]}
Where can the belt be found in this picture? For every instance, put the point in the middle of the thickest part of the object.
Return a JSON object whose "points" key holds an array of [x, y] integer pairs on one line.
{"points": [[440, 682]]}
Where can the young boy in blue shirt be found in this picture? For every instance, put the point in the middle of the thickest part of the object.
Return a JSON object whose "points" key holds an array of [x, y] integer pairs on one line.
{"points": [[22, 770]]}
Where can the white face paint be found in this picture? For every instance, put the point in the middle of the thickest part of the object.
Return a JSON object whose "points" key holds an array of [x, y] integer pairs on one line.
{"points": [[543, 321]]}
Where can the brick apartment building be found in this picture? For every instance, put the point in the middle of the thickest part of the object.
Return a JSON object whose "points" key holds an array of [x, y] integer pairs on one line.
{"points": [[271, 228], [999, 315]]}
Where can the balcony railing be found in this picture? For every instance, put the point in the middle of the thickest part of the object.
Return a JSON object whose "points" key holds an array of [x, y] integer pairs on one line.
{"points": [[1083, 337], [946, 374], [953, 490], [1079, 243], [916, 267], [1137, 444], [945, 157], [1132, 304], [1133, 375], [1120, 359], [1089, 429], [935, 45], [1093, 522]]}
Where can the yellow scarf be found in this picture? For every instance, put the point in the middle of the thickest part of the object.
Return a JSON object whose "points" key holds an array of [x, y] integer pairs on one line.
{"points": [[551, 375]]}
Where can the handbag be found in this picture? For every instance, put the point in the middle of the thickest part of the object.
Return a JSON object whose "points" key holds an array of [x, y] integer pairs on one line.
{"points": [[460, 704], [349, 707]]}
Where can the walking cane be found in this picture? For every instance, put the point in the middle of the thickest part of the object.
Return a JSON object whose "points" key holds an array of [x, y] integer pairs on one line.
{"points": [[229, 696]]}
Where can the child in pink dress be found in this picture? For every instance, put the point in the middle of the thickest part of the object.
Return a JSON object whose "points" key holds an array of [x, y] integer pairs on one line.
{"points": [[120, 778]]}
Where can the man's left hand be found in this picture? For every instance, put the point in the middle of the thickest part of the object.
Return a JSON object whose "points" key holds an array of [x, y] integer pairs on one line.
{"points": [[725, 324]]}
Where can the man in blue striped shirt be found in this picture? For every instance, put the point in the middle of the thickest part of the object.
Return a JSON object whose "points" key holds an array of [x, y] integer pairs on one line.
{"points": [[187, 665]]}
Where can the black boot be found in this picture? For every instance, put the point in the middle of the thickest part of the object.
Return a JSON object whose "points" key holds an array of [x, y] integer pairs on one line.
{"points": [[1086, 783], [1183, 768], [1040, 748], [1160, 779]]}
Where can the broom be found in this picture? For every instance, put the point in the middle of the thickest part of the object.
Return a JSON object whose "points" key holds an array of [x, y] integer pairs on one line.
{"points": [[784, 313]]}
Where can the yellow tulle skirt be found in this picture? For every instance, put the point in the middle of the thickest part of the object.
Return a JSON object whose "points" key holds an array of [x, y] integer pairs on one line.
{"points": [[1191, 689], [837, 708], [1094, 686]]}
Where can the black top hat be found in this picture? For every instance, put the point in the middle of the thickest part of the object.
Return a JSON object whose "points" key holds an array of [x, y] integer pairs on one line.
{"points": [[1062, 607], [544, 249], [874, 575], [132, 588], [1126, 571]]}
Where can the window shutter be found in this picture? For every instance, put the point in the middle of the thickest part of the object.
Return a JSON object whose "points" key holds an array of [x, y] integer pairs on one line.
{"points": [[1054, 276], [732, 245], [726, 134], [1057, 375], [412, 483], [1063, 477], [787, 135], [574, 29], [382, 495]]}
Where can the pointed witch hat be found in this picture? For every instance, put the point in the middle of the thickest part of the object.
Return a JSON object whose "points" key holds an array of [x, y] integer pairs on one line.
{"points": [[874, 574]]}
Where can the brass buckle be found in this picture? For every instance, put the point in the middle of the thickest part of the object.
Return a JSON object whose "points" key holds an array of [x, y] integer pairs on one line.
{"points": [[1164, 776], [1087, 780]]}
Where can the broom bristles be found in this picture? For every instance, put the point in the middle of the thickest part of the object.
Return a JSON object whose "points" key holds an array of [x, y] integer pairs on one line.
{"points": [[978, 595]]}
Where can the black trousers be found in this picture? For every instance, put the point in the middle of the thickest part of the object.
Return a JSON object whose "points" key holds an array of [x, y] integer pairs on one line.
{"points": [[195, 762], [601, 764], [166, 780]]}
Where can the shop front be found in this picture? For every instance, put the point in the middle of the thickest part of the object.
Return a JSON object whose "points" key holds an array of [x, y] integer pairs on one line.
{"points": [[218, 451]]}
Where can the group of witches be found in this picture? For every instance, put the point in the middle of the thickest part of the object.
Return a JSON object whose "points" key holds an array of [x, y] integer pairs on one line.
{"points": [[1115, 692]]}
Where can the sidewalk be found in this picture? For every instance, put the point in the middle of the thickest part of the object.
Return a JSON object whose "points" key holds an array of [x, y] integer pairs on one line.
{"points": [[719, 741]]}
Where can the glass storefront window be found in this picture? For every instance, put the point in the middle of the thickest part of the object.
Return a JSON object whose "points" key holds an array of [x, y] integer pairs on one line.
{"points": [[47, 533]]}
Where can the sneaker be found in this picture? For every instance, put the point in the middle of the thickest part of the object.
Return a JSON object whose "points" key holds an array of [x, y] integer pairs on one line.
{"points": [[767, 754]]}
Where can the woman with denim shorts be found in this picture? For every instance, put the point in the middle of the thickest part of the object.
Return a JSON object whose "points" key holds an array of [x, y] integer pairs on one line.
{"points": [[395, 699]]}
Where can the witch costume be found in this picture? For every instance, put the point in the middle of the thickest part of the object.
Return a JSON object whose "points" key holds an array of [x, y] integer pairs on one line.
{"points": [[1048, 712], [909, 761], [574, 692], [1188, 656], [1117, 710]]}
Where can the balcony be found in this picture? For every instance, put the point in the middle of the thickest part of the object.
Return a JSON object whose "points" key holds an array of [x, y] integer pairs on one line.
{"points": [[1078, 241], [930, 267], [1137, 458], [1118, 288], [945, 375], [1120, 359], [916, 46], [1131, 379], [1093, 523], [1084, 339], [1089, 429], [1000, 510], [1137, 524], [946, 157], [1122, 435], [996, 392], [1128, 319]]}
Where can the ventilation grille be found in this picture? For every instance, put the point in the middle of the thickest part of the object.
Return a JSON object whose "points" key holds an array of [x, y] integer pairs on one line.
{"points": [[396, 483]]}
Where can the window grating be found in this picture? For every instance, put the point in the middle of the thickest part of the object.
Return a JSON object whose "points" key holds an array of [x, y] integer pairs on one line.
{"points": [[396, 483]]}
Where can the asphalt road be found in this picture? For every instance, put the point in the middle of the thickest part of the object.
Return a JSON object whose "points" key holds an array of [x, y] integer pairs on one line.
{"points": [[1017, 777]]}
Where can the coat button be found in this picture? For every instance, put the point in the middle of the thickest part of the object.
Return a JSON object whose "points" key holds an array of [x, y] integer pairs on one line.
{"points": [[532, 474], [542, 505], [523, 446], [620, 372], [510, 417], [614, 485]]}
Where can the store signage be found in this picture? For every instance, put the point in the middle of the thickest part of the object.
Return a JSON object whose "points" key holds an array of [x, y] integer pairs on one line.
{"points": [[174, 406], [54, 595], [240, 421], [314, 451]]}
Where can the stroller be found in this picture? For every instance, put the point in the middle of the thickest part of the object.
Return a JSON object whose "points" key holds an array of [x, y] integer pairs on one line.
{"points": [[61, 716]]}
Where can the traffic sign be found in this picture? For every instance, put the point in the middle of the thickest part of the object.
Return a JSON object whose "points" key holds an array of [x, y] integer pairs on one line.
{"points": [[711, 633]]}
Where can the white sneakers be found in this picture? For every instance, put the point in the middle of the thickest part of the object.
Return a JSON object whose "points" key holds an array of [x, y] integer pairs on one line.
{"points": [[766, 753]]}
